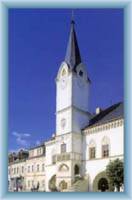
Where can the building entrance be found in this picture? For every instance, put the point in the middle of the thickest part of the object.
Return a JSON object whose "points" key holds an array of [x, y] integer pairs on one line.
{"points": [[103, 185]]}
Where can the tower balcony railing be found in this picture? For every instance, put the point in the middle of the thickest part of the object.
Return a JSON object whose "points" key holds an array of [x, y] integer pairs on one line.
{"points": [[66, 156]]}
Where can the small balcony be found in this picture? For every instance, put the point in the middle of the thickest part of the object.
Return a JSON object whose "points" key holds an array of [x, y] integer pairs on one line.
{"points": [[65, 157]]}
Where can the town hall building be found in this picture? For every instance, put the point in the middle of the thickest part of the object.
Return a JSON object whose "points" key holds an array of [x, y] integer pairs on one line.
{"points": [[76, 156]]}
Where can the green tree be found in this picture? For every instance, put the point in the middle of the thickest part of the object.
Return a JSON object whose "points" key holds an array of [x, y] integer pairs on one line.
{"points": [[115, 173], [52, 184]]}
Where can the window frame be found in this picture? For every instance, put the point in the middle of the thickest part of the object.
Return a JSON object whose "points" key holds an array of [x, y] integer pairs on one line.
{"points": [[80, 73], [63, 148], [22, 169], [38, 168], [28, 169], [92, 151], [63, 73], [105, 150], [43, 167]]}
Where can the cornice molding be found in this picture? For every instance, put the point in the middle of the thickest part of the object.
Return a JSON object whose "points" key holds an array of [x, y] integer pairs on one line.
{"points": [[104, 127]]}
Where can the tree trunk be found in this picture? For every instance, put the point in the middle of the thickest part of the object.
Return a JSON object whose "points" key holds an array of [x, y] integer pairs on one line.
{"points": [[118, 188]]}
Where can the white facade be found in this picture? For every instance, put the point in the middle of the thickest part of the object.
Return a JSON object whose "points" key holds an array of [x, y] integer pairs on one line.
{"points": [[74, 150], [71, 109], [112, 134]]}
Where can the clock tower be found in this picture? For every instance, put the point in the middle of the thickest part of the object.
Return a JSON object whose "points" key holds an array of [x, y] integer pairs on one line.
{"points": [[72, 90]]}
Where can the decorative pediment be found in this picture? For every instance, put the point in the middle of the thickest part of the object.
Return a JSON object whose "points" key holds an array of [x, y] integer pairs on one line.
{"points": [[105, 140], [63, 167]]}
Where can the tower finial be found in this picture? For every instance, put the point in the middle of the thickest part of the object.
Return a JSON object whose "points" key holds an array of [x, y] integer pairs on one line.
{"points": [[72, 17]]}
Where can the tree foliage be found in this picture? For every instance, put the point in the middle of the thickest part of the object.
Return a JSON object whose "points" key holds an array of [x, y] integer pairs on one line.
{"points": [[115, 173], [52, 183]]}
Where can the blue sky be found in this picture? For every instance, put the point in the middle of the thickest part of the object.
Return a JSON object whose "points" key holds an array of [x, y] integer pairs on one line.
{"points": [[37, 46]]}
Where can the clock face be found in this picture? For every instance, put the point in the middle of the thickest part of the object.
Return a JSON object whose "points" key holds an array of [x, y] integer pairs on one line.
{"points": [[64, 65], [63, 123]]}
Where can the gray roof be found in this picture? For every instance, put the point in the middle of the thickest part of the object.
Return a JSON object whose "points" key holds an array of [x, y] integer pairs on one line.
{"points": [[72, 57], [113, 112], [37, 146]]}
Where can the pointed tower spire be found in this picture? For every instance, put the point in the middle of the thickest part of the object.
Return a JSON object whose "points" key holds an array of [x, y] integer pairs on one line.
{"points": [[72, 17], [72, 57]]}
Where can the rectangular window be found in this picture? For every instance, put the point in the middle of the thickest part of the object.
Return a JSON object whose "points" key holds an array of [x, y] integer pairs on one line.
{"points": [[28, 168], [42, 167], [17, 170], [91, 152], [105, 151], [53, 159], [40, 151], [31, 153], [37, 168], [63, 148], [32, 168], [22, 169]]}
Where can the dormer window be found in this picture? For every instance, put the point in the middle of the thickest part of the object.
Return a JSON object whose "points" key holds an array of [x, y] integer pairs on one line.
{"points": [[80, 73]]}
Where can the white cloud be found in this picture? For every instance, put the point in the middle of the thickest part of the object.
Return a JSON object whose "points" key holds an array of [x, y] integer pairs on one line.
{"points": [[37, 142], [16, 134], [21, 141], [26, 135], [21, 138]]}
